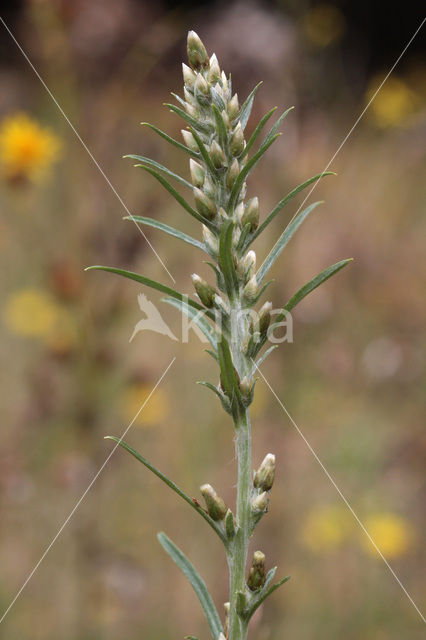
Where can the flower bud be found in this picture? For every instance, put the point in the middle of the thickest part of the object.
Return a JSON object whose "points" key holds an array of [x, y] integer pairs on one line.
{"points": [[225, 119], [204, 204], [219, 303], [188, 75], [211, 241], [217, 155], [264, 476], [260, 502], [191, 110], [236, 143], [251, 214], [189, 97], [197, 54], [257, 574], [250, 290], [249, 263], [233, 173], [213, 73], [201, 85], [224, 81], [221, 636], [189, 140], [198, 173], [245, 387], [233, 107], [239, 211], [229, 524], [265, 317], [222, 214], [214, 503], [205, 291]]}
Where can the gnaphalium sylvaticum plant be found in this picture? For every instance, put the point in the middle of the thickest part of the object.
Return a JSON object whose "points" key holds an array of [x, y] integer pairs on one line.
{"points": [[220, 160]]}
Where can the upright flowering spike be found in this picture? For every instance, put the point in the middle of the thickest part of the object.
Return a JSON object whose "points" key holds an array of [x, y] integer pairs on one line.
{"points": [[197, 54], [257, 573], [214, 503]]}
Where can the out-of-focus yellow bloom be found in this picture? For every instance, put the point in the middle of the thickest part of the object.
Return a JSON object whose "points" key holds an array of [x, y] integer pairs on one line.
{"points": [[34, 313], [392, 534], [394, 102], [323, 25], [154, 412], [30, 312], [326, 528], [26, 148]]}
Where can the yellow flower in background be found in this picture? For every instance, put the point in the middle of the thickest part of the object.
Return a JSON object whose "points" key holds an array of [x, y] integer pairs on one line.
{"points": [[30, 312], [34, 313], [154, 412], [394, 102], [26, 148], [324, 24], [326, 528], [392, 534]]}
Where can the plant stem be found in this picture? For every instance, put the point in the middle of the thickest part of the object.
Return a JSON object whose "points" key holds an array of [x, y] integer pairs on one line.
{"points": [[238, 555]]}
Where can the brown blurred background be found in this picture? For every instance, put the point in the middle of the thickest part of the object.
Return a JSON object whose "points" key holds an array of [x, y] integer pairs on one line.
{"points": [[353, 379]]}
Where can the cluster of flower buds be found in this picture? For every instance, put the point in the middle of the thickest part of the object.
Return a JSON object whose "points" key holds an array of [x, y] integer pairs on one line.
{"points": [[262, 484], [257, 573]]}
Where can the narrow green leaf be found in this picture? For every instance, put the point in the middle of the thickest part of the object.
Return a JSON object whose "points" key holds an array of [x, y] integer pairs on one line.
{"points": [[212, 354], [170, 484], [220, 126], [191, 638], [311, 285], [150, 222], [176, 195], [160, 167], [262, 291], [249, 166], [265, 355], [179, 99], [172, 141], [227, 370], [283, 240], [262, 597], [204, 153], [245, 232], [209, 385], [256, 132], [246, 108], [196, 582], [225, 257], [198, 318], [191, 121], [149, 283], [287, 199], [277, 124]]}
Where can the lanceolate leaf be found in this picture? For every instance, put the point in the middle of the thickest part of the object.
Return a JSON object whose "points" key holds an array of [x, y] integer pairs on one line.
{"points": [[282, 241], [196, 582], [160, 167], [256, 132], [153, 284], [245, 110], [227, 370], [191, 121], [197, 317], [225, 257], [287, 199], [169, 483], [176, 195], [203, 151], [311, 285], [209, 385], [262, 597], [150, 222], [177, 144], [246, 170], [220, 125], [265, 355], [277, 124]]}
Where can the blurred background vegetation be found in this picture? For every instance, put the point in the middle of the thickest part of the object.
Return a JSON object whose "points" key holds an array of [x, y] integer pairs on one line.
{"points": [[353, 379]]}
